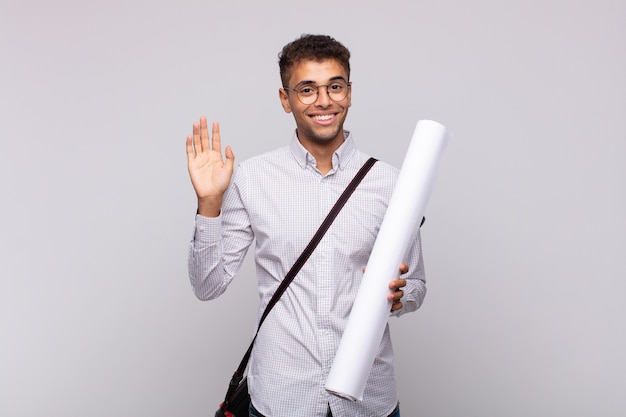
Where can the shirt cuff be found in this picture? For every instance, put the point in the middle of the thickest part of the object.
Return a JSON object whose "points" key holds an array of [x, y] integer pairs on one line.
{"points": [[207, 229]]}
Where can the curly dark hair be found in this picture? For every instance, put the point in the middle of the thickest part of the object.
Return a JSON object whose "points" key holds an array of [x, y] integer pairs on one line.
{"points": [[314, 48]]}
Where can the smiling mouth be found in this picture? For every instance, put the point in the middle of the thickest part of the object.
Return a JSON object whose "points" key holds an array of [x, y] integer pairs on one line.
{"points": [[323, 117]]}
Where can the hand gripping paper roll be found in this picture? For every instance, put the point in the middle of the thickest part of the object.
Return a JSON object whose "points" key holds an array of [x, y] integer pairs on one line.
{"points": [[368, 318]]}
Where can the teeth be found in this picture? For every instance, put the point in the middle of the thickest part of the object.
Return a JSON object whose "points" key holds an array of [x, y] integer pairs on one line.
{"points": [[323, 117]]}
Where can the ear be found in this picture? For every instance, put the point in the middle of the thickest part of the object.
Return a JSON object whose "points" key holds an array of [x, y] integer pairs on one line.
{"points": [[284, 100], [350, 95]]}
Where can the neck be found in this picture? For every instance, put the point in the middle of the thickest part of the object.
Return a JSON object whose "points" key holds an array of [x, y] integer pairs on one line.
{"points": [[323, 151], [324, 161]]}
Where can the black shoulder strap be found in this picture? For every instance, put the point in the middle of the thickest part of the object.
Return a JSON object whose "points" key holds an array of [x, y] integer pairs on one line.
{"points": [[304, 256]]}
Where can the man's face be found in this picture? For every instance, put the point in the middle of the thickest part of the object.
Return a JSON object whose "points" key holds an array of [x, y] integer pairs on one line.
{"points": [[320, 122]]}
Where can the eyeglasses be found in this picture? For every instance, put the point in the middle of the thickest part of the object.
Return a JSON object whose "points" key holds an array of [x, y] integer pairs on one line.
{"points": [[308, 93]]}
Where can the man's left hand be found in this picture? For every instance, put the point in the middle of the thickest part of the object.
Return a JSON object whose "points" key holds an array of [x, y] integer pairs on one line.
{"points": [[395, 286]]}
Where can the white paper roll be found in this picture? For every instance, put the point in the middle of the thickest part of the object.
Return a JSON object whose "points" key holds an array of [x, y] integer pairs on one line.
{"points": [[368, 318]]}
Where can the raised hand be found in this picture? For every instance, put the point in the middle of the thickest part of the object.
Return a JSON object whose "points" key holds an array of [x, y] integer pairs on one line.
{"points": [[210, 174]]}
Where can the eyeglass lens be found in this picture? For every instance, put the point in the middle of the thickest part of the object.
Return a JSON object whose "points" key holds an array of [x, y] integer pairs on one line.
{"points": [[337, 91]]}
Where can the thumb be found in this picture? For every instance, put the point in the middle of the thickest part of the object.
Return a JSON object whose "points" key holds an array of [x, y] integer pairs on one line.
{"points": [[230, 156]]}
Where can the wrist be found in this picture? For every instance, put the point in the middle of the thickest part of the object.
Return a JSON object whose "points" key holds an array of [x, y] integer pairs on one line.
{"points": [[209, 206]]}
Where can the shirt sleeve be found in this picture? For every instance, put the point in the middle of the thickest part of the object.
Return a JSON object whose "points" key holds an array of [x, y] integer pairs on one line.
{"points": [[219, 245], [415, 289]]}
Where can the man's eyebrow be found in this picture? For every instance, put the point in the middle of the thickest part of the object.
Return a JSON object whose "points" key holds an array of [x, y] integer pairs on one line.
{"points": [[311, 82], [305, 82]]}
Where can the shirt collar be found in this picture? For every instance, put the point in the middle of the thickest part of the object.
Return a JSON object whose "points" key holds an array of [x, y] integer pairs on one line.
{"points": [[341, 157]]}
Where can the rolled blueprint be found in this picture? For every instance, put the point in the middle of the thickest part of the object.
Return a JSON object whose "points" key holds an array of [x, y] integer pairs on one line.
{"points": [[365, 327]]}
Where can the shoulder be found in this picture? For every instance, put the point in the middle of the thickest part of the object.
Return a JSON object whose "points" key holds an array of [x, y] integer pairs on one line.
{"points": [[264, 163], [381, 169]]}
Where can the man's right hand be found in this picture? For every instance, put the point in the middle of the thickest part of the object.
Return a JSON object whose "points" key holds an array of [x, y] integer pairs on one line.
{"points": [[210, 174]]}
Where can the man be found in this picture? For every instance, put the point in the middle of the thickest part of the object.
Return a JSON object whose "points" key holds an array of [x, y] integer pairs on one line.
{"points": [[279, 199]]}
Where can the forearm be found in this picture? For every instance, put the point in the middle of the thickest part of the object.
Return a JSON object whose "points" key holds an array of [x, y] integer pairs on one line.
{"points": [[206, 260]]}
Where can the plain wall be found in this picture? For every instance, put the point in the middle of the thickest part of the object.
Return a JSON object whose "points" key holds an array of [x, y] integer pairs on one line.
{"points": [[525, 237]]}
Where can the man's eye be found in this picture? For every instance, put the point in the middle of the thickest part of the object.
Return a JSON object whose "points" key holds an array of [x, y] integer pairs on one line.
{"points": [[307, 91], [336, 87]]}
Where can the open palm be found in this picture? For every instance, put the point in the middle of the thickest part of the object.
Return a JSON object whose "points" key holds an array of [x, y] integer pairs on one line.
{"points": [[210, 173]]}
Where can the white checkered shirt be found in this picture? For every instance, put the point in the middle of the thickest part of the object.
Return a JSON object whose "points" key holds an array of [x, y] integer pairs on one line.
{"points": [[279, 199]]}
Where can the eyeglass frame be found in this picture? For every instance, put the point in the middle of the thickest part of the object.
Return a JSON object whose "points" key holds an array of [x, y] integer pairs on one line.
{"points": [[317, 89]]}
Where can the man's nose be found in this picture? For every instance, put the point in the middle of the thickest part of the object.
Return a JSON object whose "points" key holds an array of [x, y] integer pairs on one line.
{"points": [[323, 98]]}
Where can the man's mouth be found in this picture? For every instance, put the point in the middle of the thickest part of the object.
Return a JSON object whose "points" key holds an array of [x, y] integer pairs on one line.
{"points": [[323, 117]]}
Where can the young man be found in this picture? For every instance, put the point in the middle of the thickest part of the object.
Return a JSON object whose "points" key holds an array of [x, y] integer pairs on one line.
{"points": [[279, 199]]}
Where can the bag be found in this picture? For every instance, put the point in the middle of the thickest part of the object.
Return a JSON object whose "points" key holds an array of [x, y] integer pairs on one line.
{"points": [[239, 406]]}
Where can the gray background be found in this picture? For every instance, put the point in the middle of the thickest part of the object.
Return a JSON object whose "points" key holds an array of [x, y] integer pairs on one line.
{"points": [[526, 230]]}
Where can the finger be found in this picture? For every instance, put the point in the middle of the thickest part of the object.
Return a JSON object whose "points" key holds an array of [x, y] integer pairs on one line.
{"points": [[190, 153], [397, 283], [230, 157], [404, 268], [197, 145], [216, 140], [204, 134], [395, 296]]}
